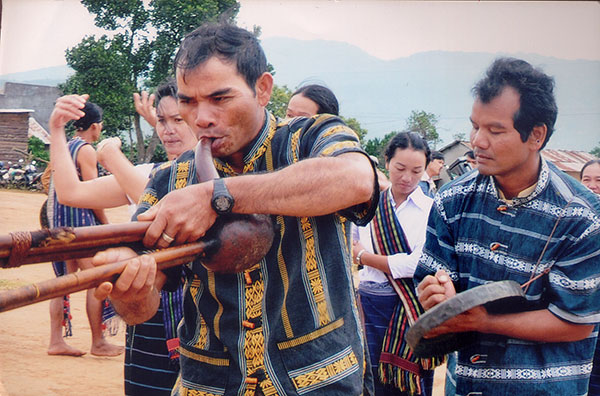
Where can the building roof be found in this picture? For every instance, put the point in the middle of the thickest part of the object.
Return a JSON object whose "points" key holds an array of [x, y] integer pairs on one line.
{"points": [[565, 160], [16, 111], [568, 160], [467, 144], [35, 129]]}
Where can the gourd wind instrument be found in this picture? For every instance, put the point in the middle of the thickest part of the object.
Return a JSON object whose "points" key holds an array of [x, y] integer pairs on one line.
{"points": [[234, 243]]}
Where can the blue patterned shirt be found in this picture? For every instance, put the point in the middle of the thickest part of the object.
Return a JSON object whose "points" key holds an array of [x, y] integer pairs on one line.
{"points": [[289, 325], [478, 238]]}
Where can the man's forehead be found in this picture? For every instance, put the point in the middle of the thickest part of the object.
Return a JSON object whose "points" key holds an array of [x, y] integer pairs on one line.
{"points": [[207, 66], [497, 111]]}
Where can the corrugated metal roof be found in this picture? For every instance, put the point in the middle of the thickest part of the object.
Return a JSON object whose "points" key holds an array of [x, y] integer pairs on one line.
{"points": [[567, 160]]}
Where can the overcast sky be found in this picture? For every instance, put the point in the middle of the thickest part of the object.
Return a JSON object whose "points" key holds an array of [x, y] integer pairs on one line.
{"points": [[36, 33]]}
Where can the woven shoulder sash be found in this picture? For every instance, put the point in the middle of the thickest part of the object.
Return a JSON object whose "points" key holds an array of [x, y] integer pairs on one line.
{"points": [[397, 365]]}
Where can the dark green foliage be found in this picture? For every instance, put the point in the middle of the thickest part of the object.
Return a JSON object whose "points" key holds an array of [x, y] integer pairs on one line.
{"points": [[37, 149], [419, 121], [110, 70], [173, 20], [376, 146], [355, 126], [596, 151], [425, 124], [160, 155], [280, 98], [103, 71]]}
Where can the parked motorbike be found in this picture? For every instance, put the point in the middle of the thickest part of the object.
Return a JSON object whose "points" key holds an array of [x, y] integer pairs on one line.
{"points": [[15, 177], [20, 175], [3, 171], [33, 178]]}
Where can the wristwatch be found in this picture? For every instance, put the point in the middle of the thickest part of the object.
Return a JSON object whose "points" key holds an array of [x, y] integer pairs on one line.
{"points": [[222, 201]]}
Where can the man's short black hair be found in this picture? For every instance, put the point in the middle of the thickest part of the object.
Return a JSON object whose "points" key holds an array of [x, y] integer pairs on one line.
{"points": [[436, 155], [536, 92], [404, 140], [93, 114], [326, 101], [227, 42]]}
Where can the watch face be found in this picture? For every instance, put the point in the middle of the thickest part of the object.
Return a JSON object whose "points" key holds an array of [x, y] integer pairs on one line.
{"points": [[222, 203]]}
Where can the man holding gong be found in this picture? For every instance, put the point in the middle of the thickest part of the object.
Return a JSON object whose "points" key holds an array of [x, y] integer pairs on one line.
{"points": [[517, 216]]}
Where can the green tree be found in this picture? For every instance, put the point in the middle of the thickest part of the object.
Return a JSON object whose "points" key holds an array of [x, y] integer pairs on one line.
{"points": [[280, 98], [596, 151], [37, 150], [425, 124], [356, 127], [173, 19], [376, 146], [96, 62], [111, 69], [460, 136]]}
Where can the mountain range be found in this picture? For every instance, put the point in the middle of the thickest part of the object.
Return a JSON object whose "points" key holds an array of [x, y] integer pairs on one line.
{"points": [[381, 94]]}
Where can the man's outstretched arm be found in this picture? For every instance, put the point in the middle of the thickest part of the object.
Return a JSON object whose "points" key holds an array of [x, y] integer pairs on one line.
{"points": [[311, 187]]}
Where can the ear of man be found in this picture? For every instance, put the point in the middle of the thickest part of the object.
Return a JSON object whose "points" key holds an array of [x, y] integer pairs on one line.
{"points": [[263, 88], [537, 137]]}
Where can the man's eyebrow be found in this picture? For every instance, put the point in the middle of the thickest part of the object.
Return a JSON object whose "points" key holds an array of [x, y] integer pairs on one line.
{"points": [[492, 124], [220, 92], [182, 96], [498, 125]]}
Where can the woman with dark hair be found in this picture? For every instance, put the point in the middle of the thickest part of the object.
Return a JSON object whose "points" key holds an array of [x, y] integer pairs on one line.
{"points": [[388, 250], [127, 182], [590, 175], [81, 157], [310, 100], [151, 359]]}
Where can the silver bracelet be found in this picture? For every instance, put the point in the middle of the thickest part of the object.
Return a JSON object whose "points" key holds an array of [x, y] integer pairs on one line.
{"points": [[359, 255]]}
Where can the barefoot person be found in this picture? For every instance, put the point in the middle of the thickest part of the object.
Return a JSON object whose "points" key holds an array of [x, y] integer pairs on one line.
{"points": [[289, 324], [151, 363], [83, 157], [514, 217]]}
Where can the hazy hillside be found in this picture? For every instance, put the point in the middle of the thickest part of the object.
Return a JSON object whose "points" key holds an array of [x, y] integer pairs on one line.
{"points": [[381, 94], [46, 76]]}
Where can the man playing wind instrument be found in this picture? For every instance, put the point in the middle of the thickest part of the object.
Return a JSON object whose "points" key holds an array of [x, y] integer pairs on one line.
{"points": [[289, 324]]}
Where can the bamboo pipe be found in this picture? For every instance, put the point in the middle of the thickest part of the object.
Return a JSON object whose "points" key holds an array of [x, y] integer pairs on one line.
{"points": [[93, 277], [65, 243], [233, 244]]}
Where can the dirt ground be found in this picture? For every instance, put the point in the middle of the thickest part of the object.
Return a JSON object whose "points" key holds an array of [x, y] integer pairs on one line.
{"points": [[25, 368]]}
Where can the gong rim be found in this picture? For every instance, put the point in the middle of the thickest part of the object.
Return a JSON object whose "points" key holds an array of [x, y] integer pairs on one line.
{"points": [[493, 292]]}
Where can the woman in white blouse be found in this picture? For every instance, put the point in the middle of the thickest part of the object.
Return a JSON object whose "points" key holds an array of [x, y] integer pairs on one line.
{"points": [[406, 156]]}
